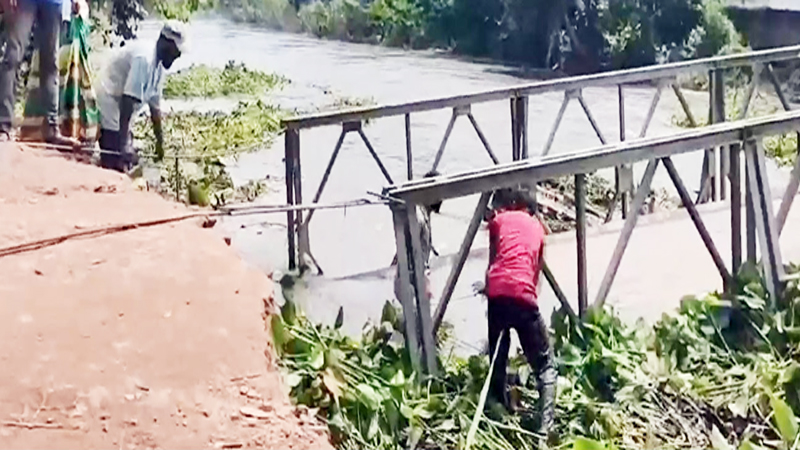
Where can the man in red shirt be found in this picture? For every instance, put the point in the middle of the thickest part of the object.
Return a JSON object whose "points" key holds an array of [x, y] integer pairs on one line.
{"points": [[516, 252]]}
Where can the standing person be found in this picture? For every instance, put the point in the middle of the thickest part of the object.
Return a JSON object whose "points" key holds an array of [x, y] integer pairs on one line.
{"points": [[19, 17], [516, 258], [133, 76]]}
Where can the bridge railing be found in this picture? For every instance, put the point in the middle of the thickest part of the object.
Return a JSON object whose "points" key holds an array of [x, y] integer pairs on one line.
{"points": [[713, 185], [742, 140]]}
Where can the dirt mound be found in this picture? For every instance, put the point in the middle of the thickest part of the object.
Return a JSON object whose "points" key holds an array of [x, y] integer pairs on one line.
{"points": [[147, 338]]}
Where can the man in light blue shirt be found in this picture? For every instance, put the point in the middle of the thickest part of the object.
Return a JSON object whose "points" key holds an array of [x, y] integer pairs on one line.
{"points": [[134, 76], [19, 16]]}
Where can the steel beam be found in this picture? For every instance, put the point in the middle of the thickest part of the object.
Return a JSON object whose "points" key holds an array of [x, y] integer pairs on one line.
{"points": [[461, 259], [445, 138], [420, 286], [580, 238], [291, 143], [406, 294], [765, 223], [627, 231], [409, 155], [559, 117], [426, 191], [604, 79], [708, 241]]}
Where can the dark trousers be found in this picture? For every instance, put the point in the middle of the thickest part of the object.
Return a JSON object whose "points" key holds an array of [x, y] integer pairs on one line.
{"points": [[525, 319], [18, 30], [113, 156]]}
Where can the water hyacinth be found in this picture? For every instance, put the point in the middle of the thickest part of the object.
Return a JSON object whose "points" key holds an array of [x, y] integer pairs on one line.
{"points": [[719, 373]]}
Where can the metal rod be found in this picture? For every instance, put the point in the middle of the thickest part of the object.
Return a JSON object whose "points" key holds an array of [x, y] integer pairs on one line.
{"points": [[303, 239], [602, 79], [651, 112], [622, 193], [375, 156], [750, 216], [482, 138], [290, 142], [522, 123], [556, 124], [627, 231], [708, 241], [404, 284], [587, 161], [580, 236], [736, 208], [765, 224], [515, 150], [684, 105], [420, 285], [551, 280], [717, 116], [326, 175], [461, 259], [447, 132], [777, 86], [749, 94], [591, 118], [409, 156]]}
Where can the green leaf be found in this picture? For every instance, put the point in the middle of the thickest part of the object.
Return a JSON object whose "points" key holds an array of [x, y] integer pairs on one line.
{"points": [[784, 419], [739, 407], [317, 360], [278, 333], [292, 379], [289, 312], [368, 396], [447, 425], [423, 412], [587, 444], [718, 441], [747, 445]]}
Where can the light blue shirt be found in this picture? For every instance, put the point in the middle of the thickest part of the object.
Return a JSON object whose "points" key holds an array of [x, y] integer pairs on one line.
{"points": [[133, 71]]}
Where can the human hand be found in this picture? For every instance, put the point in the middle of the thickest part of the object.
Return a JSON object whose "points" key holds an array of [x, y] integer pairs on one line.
{"points": [[479, 288]]}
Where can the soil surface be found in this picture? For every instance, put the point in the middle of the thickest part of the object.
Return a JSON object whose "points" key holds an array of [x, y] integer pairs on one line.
{"points": [[153, 337]]}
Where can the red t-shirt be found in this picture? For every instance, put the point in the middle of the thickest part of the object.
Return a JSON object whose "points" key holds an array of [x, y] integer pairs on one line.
{"points": [[518, 239]]}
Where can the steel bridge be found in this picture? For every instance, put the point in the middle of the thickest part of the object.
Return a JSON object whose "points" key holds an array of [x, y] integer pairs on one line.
{"points": [[723, 145], [715, 165]]}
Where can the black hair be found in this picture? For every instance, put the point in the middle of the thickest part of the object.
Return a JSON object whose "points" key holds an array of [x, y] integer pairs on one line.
{"points": [[514, 198], [435, 207]]}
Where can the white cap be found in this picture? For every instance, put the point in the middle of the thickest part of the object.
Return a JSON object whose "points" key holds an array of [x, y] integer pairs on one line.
{"points": [[175, 31]]}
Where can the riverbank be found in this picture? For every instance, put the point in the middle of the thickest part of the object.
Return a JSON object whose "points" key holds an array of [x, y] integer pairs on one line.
{"points": [[147, 338]]}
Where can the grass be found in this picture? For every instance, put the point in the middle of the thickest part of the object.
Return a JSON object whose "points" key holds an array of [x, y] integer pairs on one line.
{"points": [[210, 82]]}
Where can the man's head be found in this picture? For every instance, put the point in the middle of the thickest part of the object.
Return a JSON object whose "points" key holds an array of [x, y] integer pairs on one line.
{"points": [[171, 43], [435, 207], [513, 199]]}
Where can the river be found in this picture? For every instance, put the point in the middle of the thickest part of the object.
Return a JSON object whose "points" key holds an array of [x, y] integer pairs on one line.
{"points": [[355, 246]]}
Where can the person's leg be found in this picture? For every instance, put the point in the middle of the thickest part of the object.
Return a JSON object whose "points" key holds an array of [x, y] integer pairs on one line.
{"points": [[535, 342], [49, 30], [498, 323], [110, 158], [18, 25]]}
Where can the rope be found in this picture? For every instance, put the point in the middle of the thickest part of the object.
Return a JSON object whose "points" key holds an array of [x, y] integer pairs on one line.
{"points": [[70, 149], [241, 211]]}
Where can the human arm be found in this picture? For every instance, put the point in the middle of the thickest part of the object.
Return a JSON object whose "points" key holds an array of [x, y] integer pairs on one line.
{"points": [[133, 95], [127, 106], [155, 116]]}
